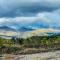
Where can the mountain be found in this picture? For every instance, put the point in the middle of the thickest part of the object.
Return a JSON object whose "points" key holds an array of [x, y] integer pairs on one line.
{"points": [[32, 26], [25, 34], [24, 29], [40, 24], [40, 32], [20, 29], [6, 28], [26, 26]]}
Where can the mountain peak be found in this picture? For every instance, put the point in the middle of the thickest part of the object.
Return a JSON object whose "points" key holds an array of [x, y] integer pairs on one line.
{"points": [[6, 28]]}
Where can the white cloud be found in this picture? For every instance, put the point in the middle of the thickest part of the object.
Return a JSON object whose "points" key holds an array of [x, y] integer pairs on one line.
{"points": [[27, 20], [47, 17], [42, 16]]}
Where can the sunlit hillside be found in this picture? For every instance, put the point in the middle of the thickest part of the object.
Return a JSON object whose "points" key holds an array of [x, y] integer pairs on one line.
{"points": [[37, 32]]}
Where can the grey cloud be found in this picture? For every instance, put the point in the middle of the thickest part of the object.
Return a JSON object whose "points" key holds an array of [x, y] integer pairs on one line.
{"points": [[26, 7]]}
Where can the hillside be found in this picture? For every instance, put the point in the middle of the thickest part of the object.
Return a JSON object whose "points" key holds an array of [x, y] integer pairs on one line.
{"points": [[40, 32], [37, 32]]}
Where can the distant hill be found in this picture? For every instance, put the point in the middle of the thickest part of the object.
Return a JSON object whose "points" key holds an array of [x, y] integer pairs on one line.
{"points": [[6, 28], [25, 32], [24, 29], [40, 32]]}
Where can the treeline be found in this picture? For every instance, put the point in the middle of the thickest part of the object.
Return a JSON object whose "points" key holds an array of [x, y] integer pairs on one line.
{"points": [[34, 41], [39, 41]]}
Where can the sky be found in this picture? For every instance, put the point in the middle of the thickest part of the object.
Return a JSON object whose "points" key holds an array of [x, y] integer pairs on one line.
{"points": [[33, 14]]}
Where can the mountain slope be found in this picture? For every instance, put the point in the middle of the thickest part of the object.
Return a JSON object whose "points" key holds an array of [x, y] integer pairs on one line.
{"points": [[40, 32], [6, 28]]}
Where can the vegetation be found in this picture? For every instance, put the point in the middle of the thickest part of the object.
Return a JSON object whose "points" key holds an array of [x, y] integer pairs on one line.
{"points": [[37, 43]]}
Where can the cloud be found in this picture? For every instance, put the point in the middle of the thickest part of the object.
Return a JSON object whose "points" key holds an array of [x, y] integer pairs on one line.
{"points": [[13, 8], [51, 19], [26, 20]]}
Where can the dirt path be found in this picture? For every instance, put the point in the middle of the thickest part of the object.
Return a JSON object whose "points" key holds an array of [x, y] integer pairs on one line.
{"points": [[40, 56]]}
